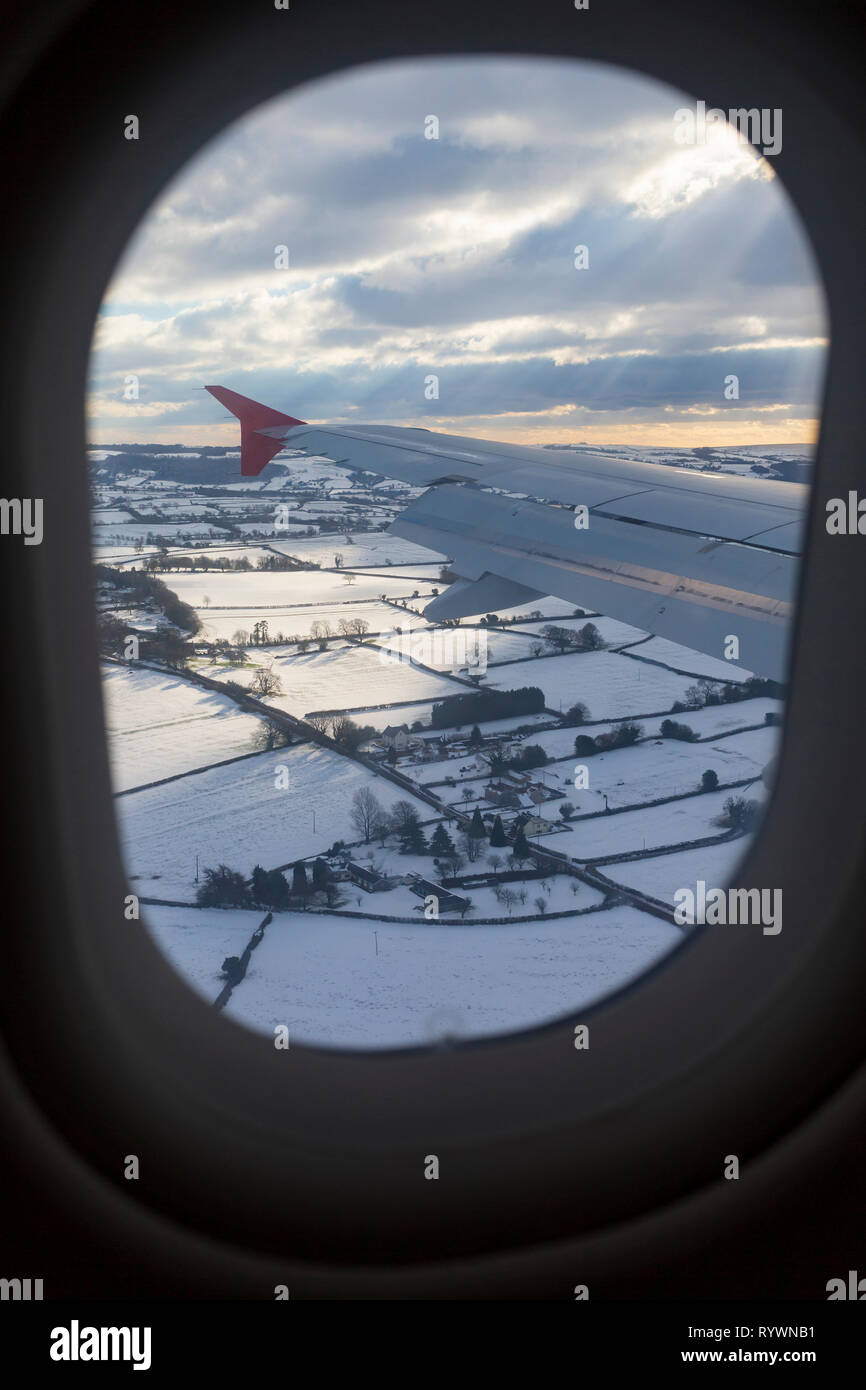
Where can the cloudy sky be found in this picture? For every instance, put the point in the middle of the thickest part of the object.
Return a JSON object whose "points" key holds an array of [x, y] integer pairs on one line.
{"points": [[454, 257]]}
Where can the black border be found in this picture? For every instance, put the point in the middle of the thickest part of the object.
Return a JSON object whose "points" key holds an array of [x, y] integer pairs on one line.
{"points": [[308, 1164]]}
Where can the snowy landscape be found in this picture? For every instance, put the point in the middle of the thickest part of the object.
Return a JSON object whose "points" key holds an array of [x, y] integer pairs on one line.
{"points": [[456, 830]]}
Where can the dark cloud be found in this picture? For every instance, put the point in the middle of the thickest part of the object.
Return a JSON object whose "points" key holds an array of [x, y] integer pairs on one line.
{"points": [[410, 256]]}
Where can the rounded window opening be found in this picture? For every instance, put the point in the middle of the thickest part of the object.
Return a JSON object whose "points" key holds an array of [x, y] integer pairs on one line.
{"points": [[432, 705]]}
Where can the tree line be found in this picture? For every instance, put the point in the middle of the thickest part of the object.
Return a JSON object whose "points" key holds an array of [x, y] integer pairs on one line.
{"points": [[483, 705]]}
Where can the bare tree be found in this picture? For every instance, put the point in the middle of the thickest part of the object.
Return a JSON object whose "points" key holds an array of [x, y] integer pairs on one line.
{"points": [[266, 682], [560, 637], [471, 847], [319, 629], [320, 722], [452, 864], [403, 815], [365, 813], [269, 735], [348, 734], [240, 637], [354, 627], [541, 904], [382, 828]]}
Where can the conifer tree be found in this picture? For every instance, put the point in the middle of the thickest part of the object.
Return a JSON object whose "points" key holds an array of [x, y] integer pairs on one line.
{"points": [[497, 834], [441, 842], [300, 885], [321, 875], [476, 829], [278, 890], [412, 840]]}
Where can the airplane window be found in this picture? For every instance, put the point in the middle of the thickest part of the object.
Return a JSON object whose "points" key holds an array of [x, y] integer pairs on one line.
{"points": [[445, 633]]}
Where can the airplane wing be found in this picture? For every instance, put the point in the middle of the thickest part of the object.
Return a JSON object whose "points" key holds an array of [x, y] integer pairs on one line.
{"points": [[693, 556]]}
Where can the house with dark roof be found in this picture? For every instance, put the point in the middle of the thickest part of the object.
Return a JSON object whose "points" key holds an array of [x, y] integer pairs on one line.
{"points": [[369, 879], [447, 901]]}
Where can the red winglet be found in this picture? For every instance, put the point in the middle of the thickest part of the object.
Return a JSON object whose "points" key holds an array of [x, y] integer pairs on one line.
{"points": [[256, 449]]}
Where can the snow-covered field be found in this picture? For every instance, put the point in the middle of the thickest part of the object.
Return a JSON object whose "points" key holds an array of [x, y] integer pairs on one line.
{"points": [[447, 648], [347, 677], [549, 607], [645, 771], [721, 719], [611, 630], [127, 555], [367, 548], [128, 532], [714, 719], [233, 551], [403, 714], [224, 622], [320, 975], [427, 570], [284, 588], [197, 941], [674, 823], [301, 470], [683, 659], [561, 892], [380, 719], [660, 878], [611, 685], [160, 725], [243, 815]]}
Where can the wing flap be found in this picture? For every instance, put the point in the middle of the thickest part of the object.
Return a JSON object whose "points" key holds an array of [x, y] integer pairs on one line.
{"points": [[675, 585]]}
